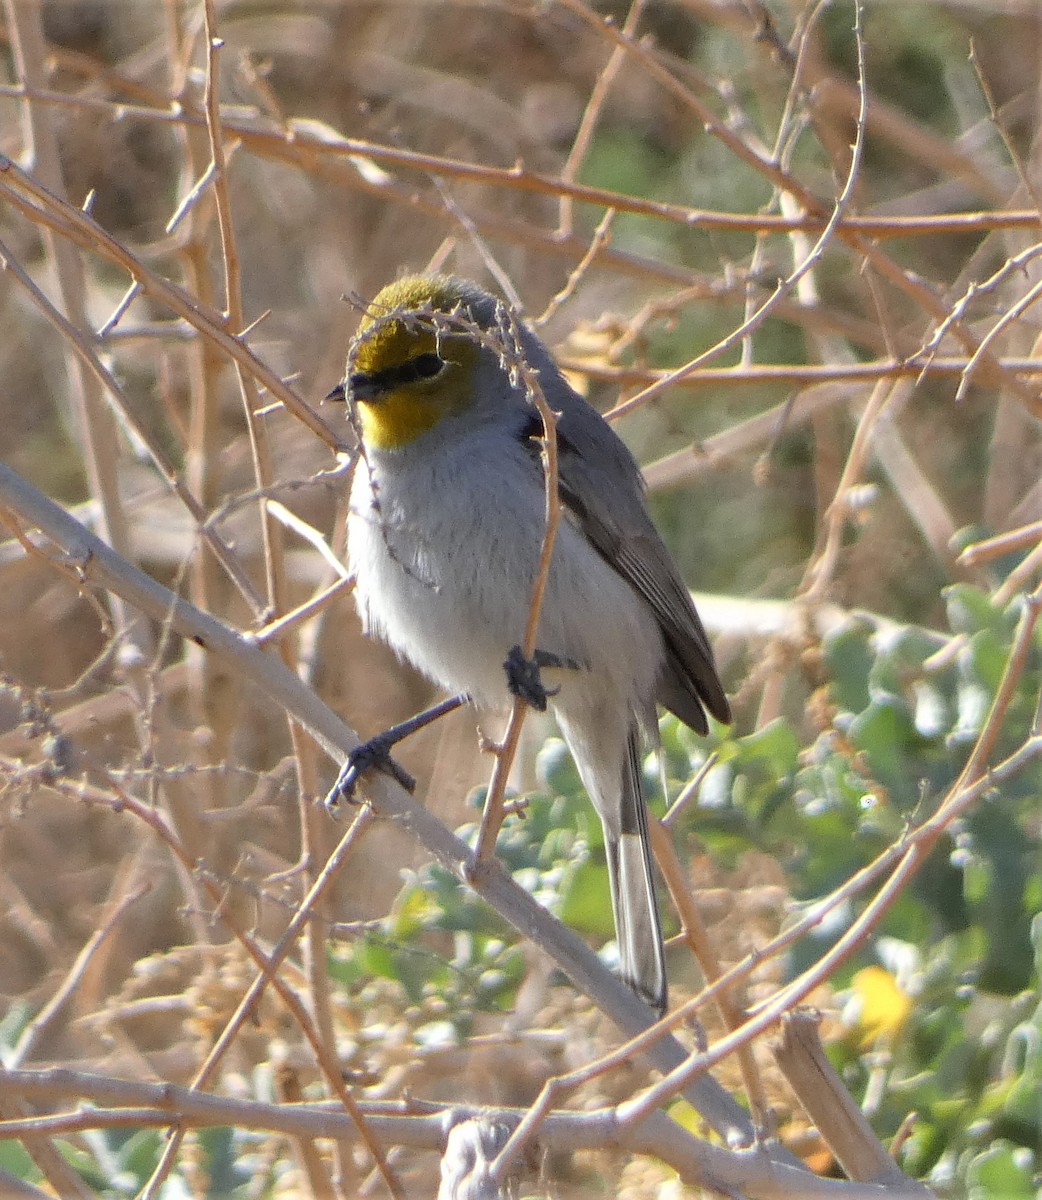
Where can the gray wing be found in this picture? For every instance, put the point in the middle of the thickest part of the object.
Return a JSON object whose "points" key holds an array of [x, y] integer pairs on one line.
{"points": [[601, 486]]}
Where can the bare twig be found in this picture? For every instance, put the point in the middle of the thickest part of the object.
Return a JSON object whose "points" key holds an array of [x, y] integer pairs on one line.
{"points": [[100, 567]]}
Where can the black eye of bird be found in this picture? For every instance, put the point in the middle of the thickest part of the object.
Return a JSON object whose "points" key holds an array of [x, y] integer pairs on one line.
{"points": [[426, 366], [366, 386]]}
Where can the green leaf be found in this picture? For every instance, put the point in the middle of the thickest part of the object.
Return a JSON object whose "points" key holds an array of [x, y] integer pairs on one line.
{"points": [[414, 910], [375, 957], [971, 610], [899, 659], [15, 1159], [1001, 1172], [886, 732], [774, 748], [984, 659], [584, 902], [555, 768], [849, 659]]}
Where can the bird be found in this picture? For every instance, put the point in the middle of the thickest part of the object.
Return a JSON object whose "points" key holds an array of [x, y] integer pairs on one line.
{"points": [[446, 523]]}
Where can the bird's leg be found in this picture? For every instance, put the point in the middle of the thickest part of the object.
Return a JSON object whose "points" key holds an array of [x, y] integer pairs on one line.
{"points": [[523, 675], [375, 754]]}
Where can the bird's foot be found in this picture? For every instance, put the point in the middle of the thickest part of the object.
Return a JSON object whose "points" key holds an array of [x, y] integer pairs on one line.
{"points": [[523, 679], [373, 755]]}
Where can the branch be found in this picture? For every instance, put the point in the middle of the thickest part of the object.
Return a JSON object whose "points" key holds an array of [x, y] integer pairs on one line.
{"points": [[99, 566]]}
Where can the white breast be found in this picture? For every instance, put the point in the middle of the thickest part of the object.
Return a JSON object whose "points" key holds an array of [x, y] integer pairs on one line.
{"points": [[445, 548]]}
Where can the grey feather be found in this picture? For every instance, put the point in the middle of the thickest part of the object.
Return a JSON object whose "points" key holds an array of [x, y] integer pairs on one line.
{"points": [[638, 931], [601, 485]]}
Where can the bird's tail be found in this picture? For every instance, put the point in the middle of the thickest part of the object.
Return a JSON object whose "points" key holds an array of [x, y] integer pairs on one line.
{"points": [[641, 960]]}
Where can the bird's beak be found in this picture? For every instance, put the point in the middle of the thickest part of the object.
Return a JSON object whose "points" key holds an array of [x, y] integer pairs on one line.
{"points": [[338, 394], [364, 388]]}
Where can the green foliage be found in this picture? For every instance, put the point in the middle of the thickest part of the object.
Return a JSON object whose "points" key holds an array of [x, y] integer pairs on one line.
{"points": [[442, 945], [903, 719], [117, 1163], [902, 725], [968, 1063], [14, 1159], [966, 1052]]}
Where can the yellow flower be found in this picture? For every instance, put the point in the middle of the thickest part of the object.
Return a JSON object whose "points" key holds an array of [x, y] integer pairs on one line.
{"points": [[878, 1006]]}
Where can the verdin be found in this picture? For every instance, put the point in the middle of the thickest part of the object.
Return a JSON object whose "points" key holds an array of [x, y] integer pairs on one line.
{"points": [[444, 535]]}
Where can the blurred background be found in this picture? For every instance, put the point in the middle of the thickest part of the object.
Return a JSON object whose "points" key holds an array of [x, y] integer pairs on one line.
{"points": [[649, 182]]}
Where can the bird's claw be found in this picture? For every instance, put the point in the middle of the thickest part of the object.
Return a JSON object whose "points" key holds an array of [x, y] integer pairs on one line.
{"points": [[523, 678], [373, 755]]}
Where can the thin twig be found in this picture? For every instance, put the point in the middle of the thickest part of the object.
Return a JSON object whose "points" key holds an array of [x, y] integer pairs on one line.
{"points": [[41, 207], [37, 1028], [101, 567], [494, 813]]}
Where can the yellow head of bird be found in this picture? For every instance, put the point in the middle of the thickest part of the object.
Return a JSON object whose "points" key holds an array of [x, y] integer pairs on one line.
{"points": [[406, 372]]}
